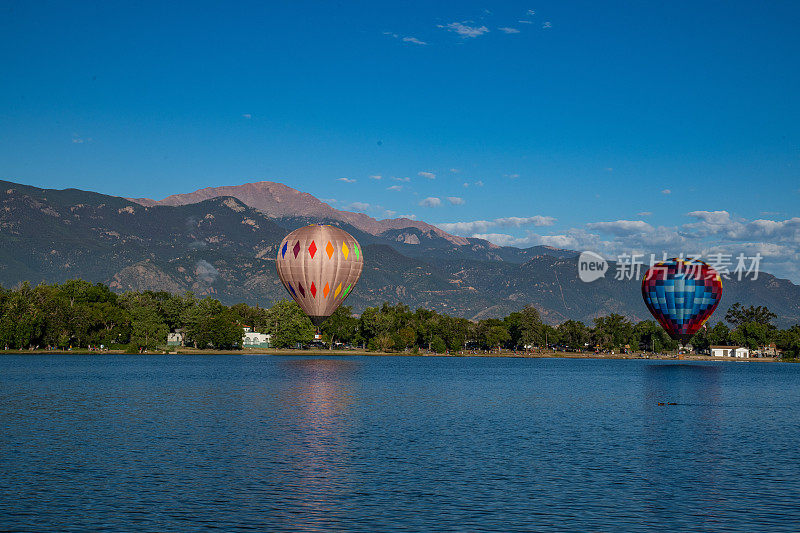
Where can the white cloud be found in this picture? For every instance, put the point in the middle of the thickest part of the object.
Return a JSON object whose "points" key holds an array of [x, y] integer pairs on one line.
{"points": [[644, 213], [512, 176], [621, 227], [329, 200], [709, 222], [470, 227], [712, 217], [454, 170], [778, 241], [455, 200], [536, 220], [247, 115], [722, 225], [465, 31], [426, 174], [525, 21], [346, 180], [547, 25], [530, 12], [556, 241], [479, 183], [405, 180], [509, 30], [390, 213], [501, 239], [376, 177], [206, 271], [407, 39], [394, 188], [666, 191], [359, 206], [410, 217], [431, 201], [712, 223], [466, 228], [568, 242], [782, 230]]}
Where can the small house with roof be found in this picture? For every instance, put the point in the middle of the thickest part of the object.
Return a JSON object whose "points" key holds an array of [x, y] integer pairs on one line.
{"points": [[730, 351], [253, 339]]}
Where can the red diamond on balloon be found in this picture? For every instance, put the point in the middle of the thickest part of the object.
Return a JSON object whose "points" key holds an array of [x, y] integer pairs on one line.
{"points": [[296, 249], [312, 249], [313, 288]]}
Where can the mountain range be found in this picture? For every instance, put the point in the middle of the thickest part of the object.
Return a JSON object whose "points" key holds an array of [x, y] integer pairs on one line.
{"points": [[222, 242]]}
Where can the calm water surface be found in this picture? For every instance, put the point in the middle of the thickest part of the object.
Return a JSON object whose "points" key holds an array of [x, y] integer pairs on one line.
{"points": [[187, 443]]}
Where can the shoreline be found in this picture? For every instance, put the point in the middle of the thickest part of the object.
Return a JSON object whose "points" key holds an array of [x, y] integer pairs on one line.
{"points": [[340, 353]]}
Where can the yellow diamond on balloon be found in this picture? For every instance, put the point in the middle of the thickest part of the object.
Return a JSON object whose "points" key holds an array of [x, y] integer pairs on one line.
{"points": [[345, 250], [329, 249], [336, 292]]}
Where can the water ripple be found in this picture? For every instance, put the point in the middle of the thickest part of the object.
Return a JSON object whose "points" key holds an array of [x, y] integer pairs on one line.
{"points": [[255, 443]]}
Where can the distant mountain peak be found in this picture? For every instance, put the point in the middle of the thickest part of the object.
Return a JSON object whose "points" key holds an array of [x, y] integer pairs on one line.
{"points": [[277, 200]]}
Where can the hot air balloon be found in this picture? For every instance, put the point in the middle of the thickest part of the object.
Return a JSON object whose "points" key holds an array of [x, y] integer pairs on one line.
{"points": [[681, 294], [319, 265]]}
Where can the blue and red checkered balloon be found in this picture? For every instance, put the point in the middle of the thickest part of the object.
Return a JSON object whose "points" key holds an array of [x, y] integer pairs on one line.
{"points": [[681, 294]]}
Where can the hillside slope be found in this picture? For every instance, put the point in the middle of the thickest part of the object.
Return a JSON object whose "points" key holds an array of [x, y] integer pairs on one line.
{"points": [[223, 248]]}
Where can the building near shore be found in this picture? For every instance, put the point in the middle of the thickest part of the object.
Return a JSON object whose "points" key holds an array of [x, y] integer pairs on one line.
{"points": [[770, 350], [253, 339], [175, 338], [730, 351]]}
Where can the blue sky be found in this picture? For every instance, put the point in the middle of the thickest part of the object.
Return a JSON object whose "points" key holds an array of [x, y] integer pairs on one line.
{"points": [[633, 126]]}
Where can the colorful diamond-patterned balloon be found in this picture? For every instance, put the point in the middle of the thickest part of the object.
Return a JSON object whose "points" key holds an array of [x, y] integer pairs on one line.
{"points": [[681, 294], [315, 266]]}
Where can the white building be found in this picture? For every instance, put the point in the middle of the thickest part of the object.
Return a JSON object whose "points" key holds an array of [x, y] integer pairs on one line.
{"points": [[730, 351], [769, 350], [253, 339], [175, 338]]}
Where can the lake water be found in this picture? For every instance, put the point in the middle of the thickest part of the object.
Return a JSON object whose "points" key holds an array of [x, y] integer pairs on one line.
{"points": [[266, 443]]}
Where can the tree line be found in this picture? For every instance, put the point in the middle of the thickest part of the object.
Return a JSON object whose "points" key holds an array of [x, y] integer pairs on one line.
{"points": [[79, 314]]}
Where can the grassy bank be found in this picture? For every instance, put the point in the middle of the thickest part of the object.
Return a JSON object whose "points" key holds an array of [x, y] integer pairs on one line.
{"points": [[336, 353]]}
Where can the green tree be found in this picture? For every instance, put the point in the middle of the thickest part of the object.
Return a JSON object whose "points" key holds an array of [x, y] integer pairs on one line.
{"points": [[753, 334], [405, 337], [652, 337], [438, 345], [147, 329], [788, 340], [341, 326], [288, 325], [381, 343], [209, 323], [613, 331], [491, 333], [427, 326], [532, 330], [573, 334], [454, 331], [719, 335], [738, 315], [752, 325]]}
